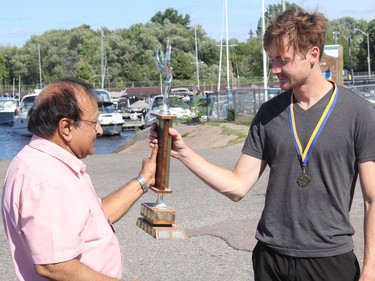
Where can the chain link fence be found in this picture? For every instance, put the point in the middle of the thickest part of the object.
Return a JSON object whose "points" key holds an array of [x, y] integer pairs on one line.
{"points": [[237, 105], [241, 105]]}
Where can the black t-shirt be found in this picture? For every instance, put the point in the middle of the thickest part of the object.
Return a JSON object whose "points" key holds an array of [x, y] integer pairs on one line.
{"points": [[312, 221]]}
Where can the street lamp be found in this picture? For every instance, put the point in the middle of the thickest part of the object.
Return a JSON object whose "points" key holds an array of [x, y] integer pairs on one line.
{"points": [[368, 50]]}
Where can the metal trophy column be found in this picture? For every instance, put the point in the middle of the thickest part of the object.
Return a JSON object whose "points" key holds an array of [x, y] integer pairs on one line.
{"points": [[158, 219]]}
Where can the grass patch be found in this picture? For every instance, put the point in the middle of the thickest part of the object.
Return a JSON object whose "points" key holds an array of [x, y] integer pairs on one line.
{"points": [[185, 134], [240, 135], [244, 121]]}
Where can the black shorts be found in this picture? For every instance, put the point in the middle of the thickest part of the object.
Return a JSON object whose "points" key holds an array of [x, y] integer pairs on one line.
{"points": [[270, 266]]}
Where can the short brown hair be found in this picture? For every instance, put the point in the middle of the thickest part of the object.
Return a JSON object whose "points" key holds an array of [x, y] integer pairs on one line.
{"points": [[301, 30]]}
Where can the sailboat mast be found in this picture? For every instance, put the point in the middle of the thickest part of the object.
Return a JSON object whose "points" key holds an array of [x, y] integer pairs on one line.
{"points": [[265, 74], [227, 43], [221, 49], [19, 88], [40, 68], [102, 67], [196, 57]]}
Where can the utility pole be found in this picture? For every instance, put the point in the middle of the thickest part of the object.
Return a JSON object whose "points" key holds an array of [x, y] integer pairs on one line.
{"points": [[350, 60], [40, 68]]}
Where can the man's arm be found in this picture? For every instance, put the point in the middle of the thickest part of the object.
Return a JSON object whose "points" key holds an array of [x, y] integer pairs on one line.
{"points": [[367, 179], [70, 270], [119, 202], [234, 184]]}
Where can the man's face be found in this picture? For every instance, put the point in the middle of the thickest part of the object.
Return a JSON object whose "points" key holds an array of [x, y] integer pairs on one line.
{"points": [[291, 68], [87, 130]]}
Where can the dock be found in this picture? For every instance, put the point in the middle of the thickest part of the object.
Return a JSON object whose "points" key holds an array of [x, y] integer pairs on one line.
{"points": [[132, 121]]}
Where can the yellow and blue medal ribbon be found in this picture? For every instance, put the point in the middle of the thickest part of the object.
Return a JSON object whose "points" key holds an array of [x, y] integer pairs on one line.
{"points": [[303, 155]]}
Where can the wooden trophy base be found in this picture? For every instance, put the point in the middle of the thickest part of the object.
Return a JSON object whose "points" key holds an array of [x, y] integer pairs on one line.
{"points": [[160, 223]]}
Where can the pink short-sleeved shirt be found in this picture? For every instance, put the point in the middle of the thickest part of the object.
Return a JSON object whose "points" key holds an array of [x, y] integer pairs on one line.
{"points": [[51, 213]]}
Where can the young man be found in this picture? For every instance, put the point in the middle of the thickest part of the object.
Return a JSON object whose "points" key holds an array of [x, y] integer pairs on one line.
{"points": [[316, 137], [57, 227]]}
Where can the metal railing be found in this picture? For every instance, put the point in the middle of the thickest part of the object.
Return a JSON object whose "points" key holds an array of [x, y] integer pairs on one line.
{"points": [[242, 104], [238, 105]]}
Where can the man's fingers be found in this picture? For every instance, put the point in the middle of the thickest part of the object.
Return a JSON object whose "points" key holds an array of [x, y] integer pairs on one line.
{"points": [[154, 153]]}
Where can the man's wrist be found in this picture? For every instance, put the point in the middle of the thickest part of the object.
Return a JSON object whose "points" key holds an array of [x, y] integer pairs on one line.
{"points": [[143, 183]]}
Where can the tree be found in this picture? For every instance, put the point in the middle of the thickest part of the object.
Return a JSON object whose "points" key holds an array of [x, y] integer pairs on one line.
{"points": [[249, 56], [3, 70], [338, 32], [182, 66], [173, 17], [130, 52], [362, 55], [273, 10]]}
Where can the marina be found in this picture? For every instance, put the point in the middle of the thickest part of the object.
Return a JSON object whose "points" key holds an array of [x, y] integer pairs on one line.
{"points": [[11, 143]]}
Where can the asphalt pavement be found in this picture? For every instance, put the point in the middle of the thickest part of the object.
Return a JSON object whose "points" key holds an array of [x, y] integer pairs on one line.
{"points": [[221, 232]]}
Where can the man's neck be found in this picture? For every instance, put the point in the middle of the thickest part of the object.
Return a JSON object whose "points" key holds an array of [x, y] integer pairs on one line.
{"points": [[309, 94]]}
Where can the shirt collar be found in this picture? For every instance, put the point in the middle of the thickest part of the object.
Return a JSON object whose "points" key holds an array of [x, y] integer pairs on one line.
{"points": [[58, 152]]}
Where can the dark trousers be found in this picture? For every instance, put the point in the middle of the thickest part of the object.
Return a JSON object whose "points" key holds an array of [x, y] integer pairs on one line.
{"points": [[269, 266]]}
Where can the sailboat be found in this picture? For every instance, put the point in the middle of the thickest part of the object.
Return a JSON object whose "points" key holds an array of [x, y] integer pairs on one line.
{"points": [[21, 119], [110, 120], [223, 107], [225, 13]]}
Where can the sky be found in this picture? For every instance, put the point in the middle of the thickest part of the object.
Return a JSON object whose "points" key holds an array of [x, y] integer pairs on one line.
{"points": [[21, 19]]}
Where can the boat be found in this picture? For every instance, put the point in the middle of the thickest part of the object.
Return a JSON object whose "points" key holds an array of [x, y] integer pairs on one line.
{"points": [[8, 107], [21, 120], [110, 120], [178, 105], [133, 111]]}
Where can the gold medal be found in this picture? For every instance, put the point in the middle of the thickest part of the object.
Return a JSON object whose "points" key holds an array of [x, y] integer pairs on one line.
{"points": [[303, 154], [303, 180]]}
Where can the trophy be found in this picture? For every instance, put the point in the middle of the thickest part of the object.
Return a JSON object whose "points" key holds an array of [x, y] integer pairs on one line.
{"points": [[158, 219]]}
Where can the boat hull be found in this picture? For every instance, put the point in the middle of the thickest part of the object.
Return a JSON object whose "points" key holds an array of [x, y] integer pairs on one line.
{"points": [[7, 108], [6, 118], [112, 129], [19, 126]]}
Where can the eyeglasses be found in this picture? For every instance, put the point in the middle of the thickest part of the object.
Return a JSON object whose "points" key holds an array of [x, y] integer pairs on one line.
{"points": [[93, 124]]}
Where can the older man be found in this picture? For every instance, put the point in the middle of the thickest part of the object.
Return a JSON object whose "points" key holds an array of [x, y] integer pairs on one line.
{"points": [[57, 227]]}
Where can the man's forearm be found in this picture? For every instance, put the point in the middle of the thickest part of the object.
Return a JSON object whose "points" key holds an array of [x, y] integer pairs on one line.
{"points": [[70, 270]]}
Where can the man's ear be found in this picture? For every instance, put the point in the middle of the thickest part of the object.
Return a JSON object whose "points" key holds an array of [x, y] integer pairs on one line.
{"points": [[65, 128], [314, 55]]}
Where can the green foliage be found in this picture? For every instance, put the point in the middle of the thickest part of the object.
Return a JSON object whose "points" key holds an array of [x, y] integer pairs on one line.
{"points": [[182, 67], [230, 115], [272, 11], [3, 70], [240, 135], [85, 71], [172, 16]]}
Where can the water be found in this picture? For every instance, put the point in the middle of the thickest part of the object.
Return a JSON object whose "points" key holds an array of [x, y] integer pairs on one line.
{"points": [[11, 143]]}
